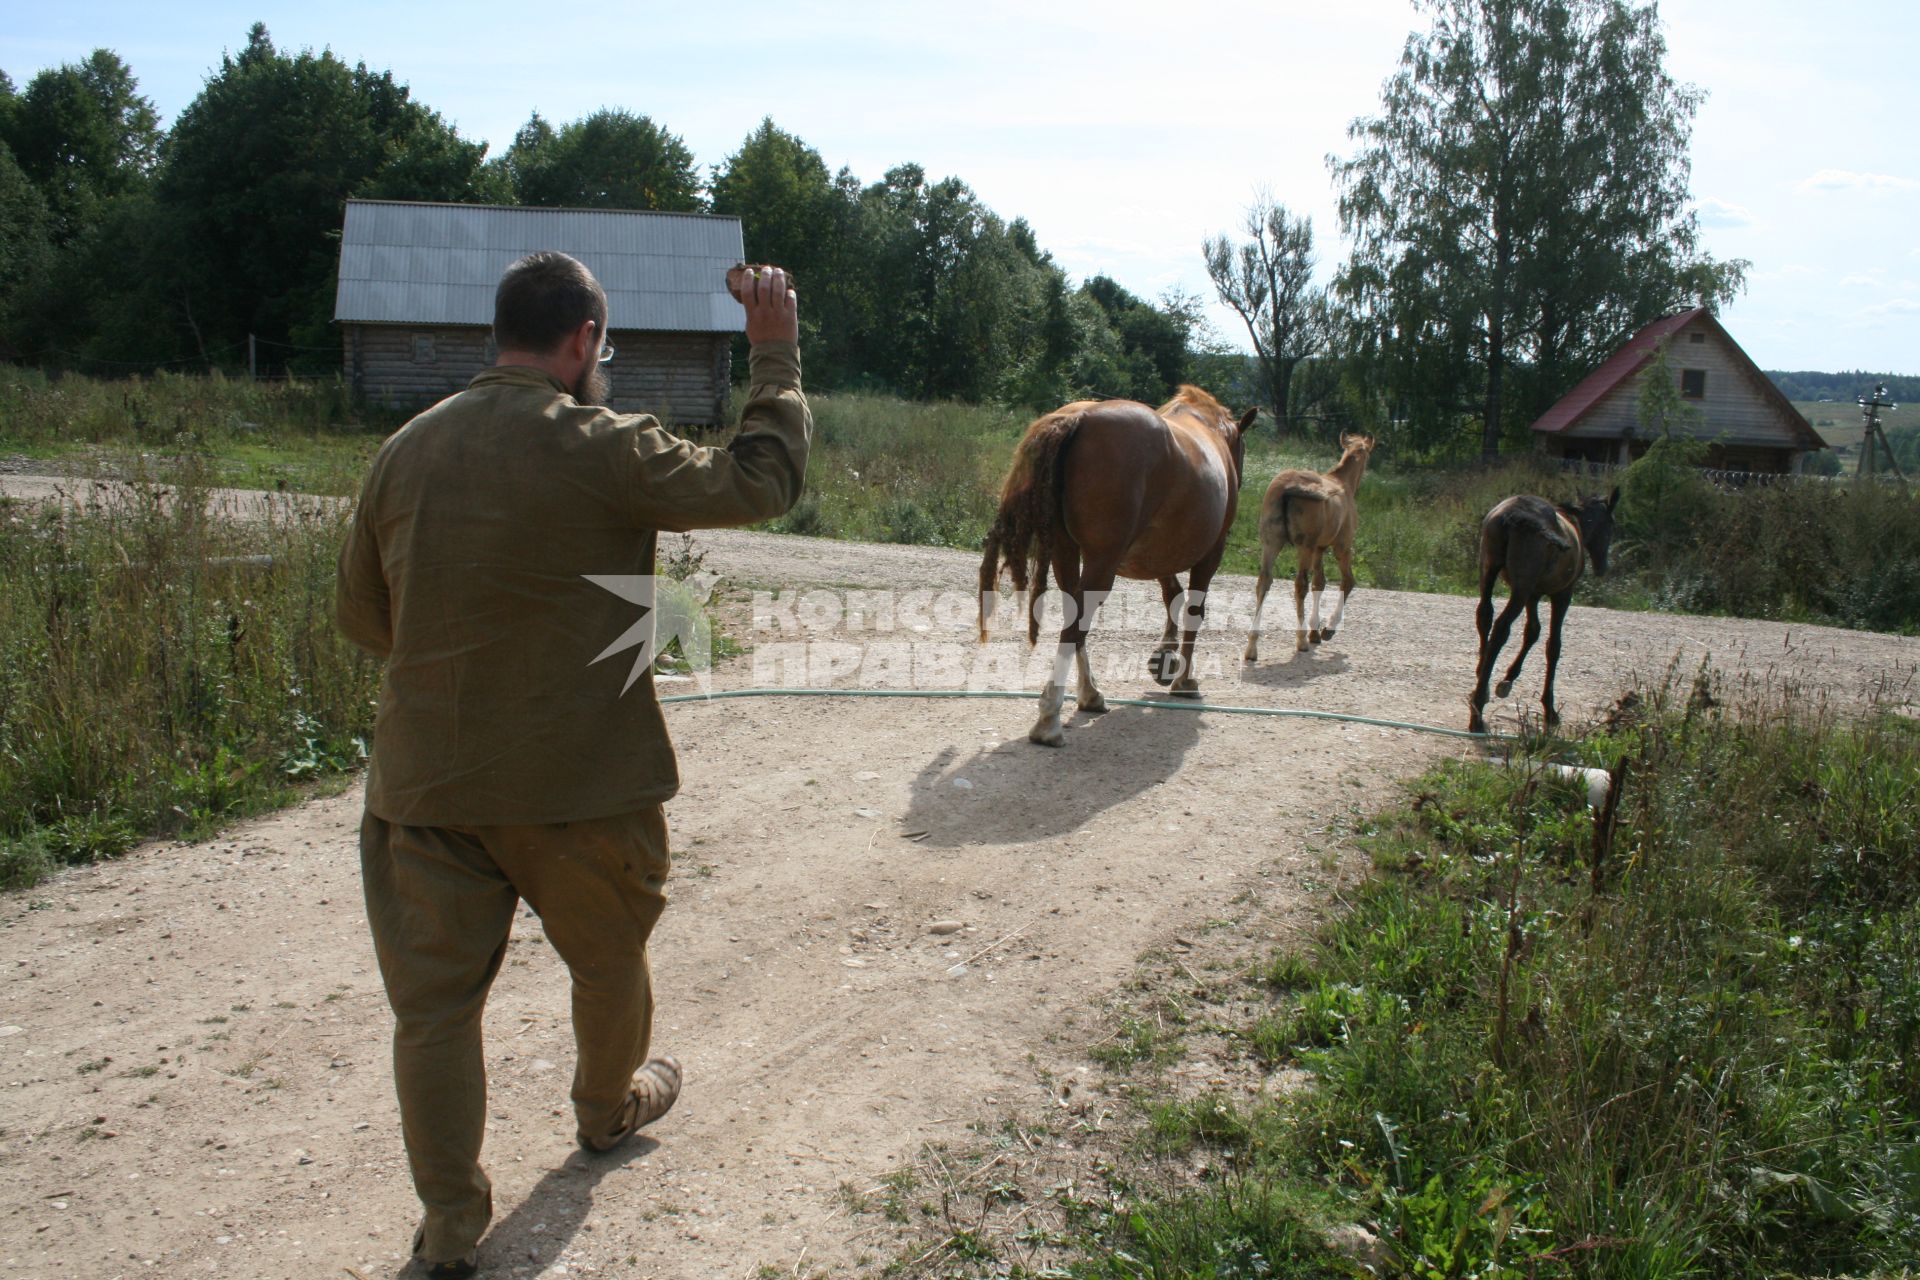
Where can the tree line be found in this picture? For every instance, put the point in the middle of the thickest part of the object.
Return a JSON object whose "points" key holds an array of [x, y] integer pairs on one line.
{"points": [[130, 248], [1518, 206]]}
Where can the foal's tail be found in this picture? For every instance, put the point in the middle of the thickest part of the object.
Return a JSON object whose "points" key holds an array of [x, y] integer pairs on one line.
{"points": [[1023, 532], [1292, 494]]}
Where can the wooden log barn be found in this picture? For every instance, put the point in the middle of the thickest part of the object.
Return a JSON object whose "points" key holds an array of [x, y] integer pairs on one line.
{"points": [[415, 299]]}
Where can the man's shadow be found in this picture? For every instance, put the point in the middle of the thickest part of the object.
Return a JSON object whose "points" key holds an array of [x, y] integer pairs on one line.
{"points": [[1017, 791], [543, 1225]]}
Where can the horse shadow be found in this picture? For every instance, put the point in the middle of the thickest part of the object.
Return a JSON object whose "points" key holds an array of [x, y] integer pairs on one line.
{"points": [[1296, 670], [1018, 792], [543, 1225]]}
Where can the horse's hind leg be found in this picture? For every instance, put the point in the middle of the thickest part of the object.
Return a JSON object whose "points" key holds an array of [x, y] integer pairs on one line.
{"points": [[1096, 584], [1527, 640], [1047, 730], [1557, 613], [1489, 654], [1260, 589], [1193, 611], [1163, 662]]}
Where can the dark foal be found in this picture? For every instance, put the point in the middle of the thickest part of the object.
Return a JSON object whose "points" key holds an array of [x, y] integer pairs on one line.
{"points": [[1540, 549]]}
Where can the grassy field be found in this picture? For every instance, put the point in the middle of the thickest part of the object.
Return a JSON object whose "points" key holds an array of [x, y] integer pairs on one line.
{"points": [[1535, 1042]]}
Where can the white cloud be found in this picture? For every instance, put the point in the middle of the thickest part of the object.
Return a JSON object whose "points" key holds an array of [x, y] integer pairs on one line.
{"points": [[1893, 307], [1718, 213], [1870, 282], [1848, 180]]}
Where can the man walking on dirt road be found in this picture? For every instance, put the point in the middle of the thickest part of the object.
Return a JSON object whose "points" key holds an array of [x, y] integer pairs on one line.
{"points": [[509, 763]]}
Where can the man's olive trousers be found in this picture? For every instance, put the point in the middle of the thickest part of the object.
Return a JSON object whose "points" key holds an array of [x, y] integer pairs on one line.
{"points": [[441, 902]]}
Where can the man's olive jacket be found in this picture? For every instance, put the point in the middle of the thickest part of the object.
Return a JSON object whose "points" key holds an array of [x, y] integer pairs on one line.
{"points": [[467, 568]]}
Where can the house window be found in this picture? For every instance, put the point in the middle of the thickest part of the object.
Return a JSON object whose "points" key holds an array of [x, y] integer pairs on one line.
{"points": [[1696, 337], [423, 348], [1693, 384]]}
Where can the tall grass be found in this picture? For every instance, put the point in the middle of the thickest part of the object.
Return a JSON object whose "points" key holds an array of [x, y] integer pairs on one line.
{"points": [[308, 436], [163, 668], [886, 470], [1689, 1049]]}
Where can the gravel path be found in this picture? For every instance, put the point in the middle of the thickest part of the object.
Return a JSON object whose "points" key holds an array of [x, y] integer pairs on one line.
{"points": [[193, 1039]]}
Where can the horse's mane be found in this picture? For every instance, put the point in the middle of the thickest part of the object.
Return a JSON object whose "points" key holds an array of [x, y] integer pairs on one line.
{"points": [[1542, 521], [1200, 402]]}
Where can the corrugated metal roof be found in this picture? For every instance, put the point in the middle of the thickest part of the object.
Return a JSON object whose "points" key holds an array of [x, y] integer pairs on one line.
{"points": [[403, 262]]}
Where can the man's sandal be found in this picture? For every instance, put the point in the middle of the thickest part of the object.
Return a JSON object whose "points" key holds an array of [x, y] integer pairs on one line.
{"points": [[656, 1087], [453, 1269]]}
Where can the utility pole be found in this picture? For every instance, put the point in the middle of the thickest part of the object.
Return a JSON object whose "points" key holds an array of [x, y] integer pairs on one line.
{"points": [[1873, 439]]}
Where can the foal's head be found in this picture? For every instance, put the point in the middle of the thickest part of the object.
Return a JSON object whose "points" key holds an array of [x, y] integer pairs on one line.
{"points": [[1595, 518]]}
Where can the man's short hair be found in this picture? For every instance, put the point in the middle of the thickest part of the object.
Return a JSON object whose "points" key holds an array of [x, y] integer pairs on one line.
{"points": [[542, 299]]}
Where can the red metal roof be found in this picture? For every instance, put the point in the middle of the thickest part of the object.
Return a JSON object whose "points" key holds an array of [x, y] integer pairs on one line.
{"points": [[1639, 352], [1619, 366]]}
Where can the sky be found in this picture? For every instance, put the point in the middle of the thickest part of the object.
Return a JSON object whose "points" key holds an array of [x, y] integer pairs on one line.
{"points": [[1127, 133]]}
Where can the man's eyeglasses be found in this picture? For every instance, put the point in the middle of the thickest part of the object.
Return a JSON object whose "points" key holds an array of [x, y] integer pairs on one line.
{"points": [[606, 353]]}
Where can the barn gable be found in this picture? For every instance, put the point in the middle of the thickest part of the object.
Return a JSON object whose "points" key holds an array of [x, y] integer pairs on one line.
{"points": [[1753, 426], [415, 297]]}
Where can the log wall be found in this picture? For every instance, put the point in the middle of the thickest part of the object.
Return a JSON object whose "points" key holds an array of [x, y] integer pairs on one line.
{"points": [[680, 378]]}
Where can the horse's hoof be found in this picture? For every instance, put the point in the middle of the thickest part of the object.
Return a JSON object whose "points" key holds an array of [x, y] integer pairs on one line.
{"points": [[1502, 689], [1096, 705], [1315, 637], [1326, 635], [1251, 655], [1186, 689], [1476, 725], [1047, 737], [1302, 646]]}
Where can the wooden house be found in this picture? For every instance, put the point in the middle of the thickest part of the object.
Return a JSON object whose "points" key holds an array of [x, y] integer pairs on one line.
{"points": [[415, 299], [1750, 424]]}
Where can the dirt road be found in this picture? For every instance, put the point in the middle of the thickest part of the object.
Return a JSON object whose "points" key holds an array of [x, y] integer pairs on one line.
{"points": [[193, 1039]]}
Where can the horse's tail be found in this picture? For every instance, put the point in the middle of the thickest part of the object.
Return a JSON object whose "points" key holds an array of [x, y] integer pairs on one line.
{"points": [[1029, 518]]}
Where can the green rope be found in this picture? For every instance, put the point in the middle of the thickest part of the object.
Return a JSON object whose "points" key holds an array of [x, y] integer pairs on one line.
{"points": [[1168, 704]]}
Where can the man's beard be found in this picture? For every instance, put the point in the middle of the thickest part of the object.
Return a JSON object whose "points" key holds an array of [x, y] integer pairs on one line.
{"points": [[594, 387]]}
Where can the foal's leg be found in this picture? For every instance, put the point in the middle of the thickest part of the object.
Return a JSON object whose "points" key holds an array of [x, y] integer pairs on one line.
{"points": [[1489, 654], [1482, 624], [1557, 614], [1342, 552], [1314, 634], [1303, 566], [1527, 639], [1161, 663], [1260, 589]]}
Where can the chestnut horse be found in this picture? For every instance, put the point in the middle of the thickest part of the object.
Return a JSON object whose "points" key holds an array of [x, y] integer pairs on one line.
{"points": [[1108, 488], [1540, 549], [1311, 513]]}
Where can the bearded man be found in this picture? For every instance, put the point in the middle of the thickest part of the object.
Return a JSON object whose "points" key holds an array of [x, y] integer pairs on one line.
{"points": [[508, 762]]}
